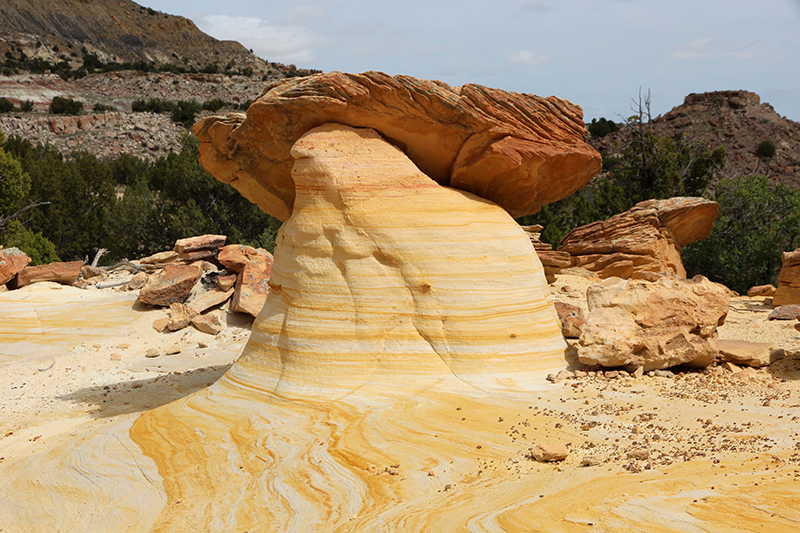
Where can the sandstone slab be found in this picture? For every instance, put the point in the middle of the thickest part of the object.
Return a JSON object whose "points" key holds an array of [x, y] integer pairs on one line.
{"points": [[648, 237], [755, 354], [200, 242], [785, 312], [65, 273], [12, 260], [170, 285], [549, 452], [517, 150], [653, 325], [210, 299]]}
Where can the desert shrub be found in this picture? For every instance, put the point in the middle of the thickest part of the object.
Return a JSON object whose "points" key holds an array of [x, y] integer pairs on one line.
{"points": [[766, 149], [757, 221], [6, 105], [214, 105], [35, 245], [65, 106], [102, 108], [26, 106], [184, 112], [602, 127]]}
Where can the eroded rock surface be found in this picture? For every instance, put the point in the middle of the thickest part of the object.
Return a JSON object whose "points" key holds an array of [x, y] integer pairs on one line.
{"points": [[648, 237], [517, 150], [788, 290], [653, 325]]}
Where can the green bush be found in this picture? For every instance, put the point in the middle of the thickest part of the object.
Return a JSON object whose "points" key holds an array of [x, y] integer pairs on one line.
{"points": [[757, 221], [6, 105], [214, 105], [35, 245], [602, 127], [65, 106], [766, 149], [26, 106], [102, 108], [184, 112]]}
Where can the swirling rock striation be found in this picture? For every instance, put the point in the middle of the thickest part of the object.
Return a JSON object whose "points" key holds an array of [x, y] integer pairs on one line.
{"points": [[648, 237], [517, 150]]}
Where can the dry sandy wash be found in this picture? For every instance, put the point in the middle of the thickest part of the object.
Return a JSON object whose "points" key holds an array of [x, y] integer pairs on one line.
{"points": [[699, 452], [394, 380]]}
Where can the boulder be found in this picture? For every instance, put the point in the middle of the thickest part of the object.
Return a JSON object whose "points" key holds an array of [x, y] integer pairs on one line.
{"points": [[755, 354], [89, 272], [518, 150], [179, 316], [648, 237], [761, 290], [201, 242], [59, 272], [209, 323], [12, 260], [785, 312], [170, 285], [571, 318], [548, 452], [235, 257], [654, 325], [788, 290], [225, 282], [252, 286]]}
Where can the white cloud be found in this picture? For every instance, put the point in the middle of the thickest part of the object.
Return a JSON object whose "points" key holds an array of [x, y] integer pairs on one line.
{"points": [[282, 43], [528, 58], [708, 48]]}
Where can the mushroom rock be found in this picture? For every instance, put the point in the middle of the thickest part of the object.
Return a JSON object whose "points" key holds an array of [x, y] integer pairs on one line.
{"points": [[649, 237], [381, 322], [517, 150]]}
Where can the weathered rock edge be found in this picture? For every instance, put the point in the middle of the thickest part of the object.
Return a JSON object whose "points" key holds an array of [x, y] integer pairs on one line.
{"points": [[517, 150]]}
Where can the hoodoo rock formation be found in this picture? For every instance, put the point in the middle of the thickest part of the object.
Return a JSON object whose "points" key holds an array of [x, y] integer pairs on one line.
{"points": [[648, 237], [382, 314], [519, 151]]}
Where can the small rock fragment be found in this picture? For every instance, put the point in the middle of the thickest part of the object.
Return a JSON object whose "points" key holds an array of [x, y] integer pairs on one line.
{"points": [[180, 316], [548, 452], [160, 324], [209, 323], [152, 352], [174, 349], [761, 290], [137, 281], [116, 357]]}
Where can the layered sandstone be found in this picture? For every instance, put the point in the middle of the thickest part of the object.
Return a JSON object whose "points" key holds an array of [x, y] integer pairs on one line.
{"points": [[788, 290], [517, 150], [380, 325], [649, 237]]}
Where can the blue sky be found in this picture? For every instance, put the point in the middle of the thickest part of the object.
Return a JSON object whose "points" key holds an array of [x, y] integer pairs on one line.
{"points": [[595, 53]]}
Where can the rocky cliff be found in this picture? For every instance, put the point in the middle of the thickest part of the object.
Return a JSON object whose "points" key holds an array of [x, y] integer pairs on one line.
{"points": [[738, 121], [120, 31]]}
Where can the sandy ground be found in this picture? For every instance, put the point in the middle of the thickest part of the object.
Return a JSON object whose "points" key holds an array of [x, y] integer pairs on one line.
{"points": [[71, 356], [73, 360]]}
